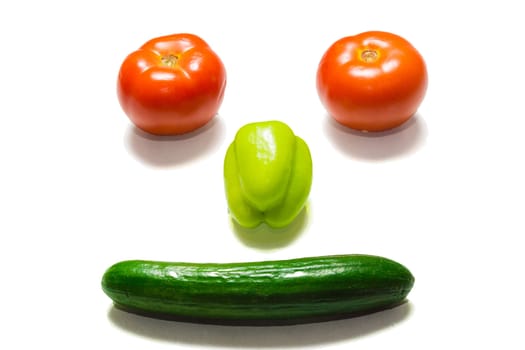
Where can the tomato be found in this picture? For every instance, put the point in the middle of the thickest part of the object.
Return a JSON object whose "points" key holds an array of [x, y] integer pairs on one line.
{"points": [[372, 81], [172, 85]]}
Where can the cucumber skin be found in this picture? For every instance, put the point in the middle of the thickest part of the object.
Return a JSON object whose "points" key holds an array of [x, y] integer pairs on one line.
{"points": [[278, 292]]}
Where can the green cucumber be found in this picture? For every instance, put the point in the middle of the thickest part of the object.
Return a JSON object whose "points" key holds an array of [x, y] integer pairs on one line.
{"points": [[259, 293]]}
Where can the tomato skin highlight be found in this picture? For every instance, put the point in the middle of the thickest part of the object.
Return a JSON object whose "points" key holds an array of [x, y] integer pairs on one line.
{"points": [[373, 81], [172, 84]]}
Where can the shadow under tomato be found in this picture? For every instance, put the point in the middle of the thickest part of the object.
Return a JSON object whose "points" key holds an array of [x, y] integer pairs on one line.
{"points": [[299, 336], [163, 151], [376, 146], [265, 237]]}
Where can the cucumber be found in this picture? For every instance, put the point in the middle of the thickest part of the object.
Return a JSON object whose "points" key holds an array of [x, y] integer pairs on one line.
{"points": [[311, 289]]}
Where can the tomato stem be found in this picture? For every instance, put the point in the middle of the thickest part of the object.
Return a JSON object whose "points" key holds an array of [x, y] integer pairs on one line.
{"points": [[170, 60], [369, 55]]}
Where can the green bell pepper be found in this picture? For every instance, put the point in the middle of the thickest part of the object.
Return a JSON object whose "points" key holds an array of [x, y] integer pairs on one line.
{"points": [[267, 175]]}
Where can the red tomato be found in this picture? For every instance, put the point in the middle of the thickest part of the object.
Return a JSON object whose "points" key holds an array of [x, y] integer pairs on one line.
{"points": [[172, 84], [372, 81]]}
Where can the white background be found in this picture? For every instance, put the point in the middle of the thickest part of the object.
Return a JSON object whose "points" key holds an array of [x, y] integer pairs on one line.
{"points": [[81, 189]]}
